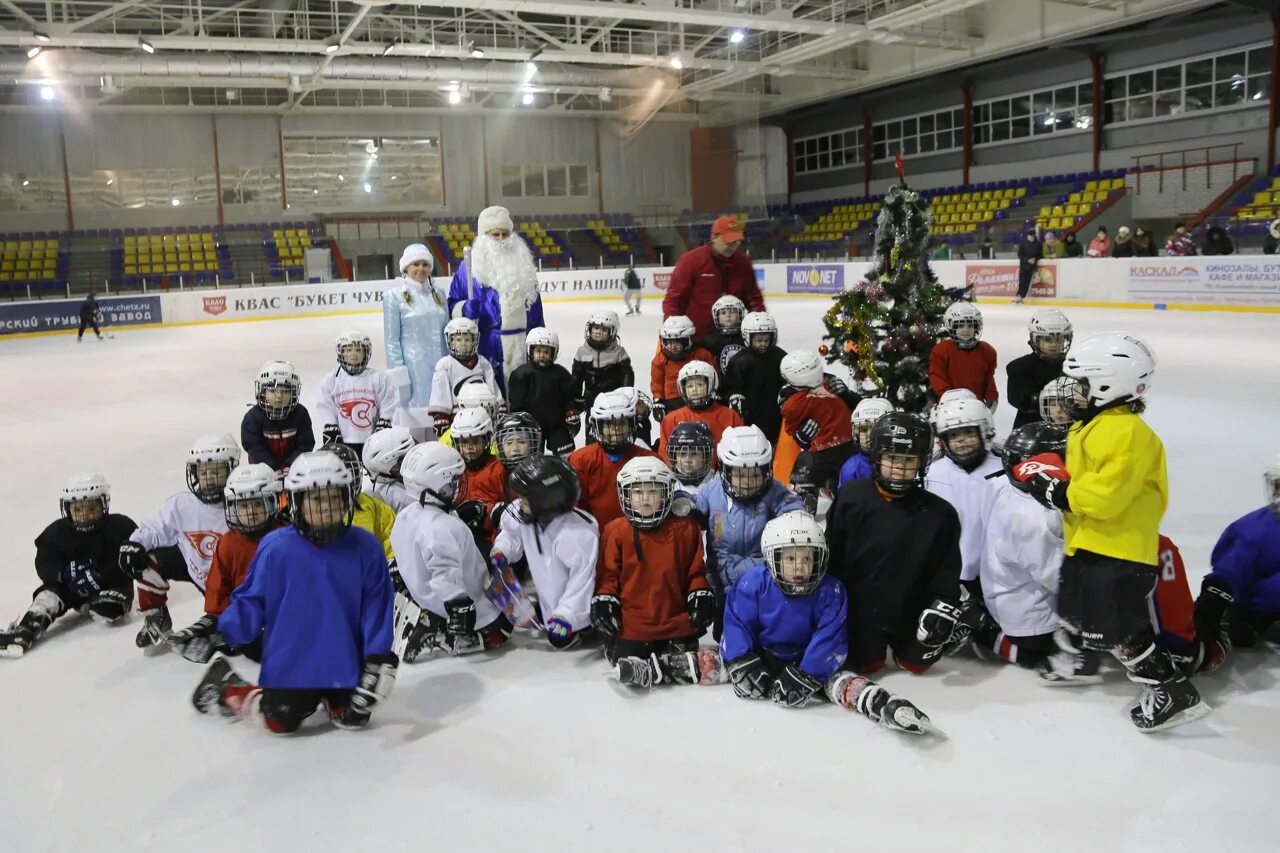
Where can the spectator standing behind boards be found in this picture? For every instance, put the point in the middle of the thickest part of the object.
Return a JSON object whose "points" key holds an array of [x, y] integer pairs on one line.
{"points": [[1216, 242], [1144, 245], [1071, 248], [986, 248], [1053, 247], [1180, 242], [704, 274], [1124, 246], [1029, 254], [413, 318], [1100, 245], [1272, 243], [631, 282], [89, 315]]}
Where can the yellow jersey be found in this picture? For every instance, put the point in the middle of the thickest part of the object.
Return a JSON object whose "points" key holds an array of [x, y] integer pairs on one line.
{"points": [[376, 517]]}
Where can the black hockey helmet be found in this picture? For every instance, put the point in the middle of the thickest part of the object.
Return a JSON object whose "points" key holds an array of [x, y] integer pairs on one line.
{"points": [[518, 437], [901, 434], [547, 484], [691, 442], [351, 460], [1031, 440]]}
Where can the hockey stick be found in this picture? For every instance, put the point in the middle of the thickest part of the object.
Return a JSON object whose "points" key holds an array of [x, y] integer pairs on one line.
{"points": [[106, 329], [505, 592]]}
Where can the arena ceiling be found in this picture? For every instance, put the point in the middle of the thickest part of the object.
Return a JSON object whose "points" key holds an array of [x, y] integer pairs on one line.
{"points": [[701, 61]]}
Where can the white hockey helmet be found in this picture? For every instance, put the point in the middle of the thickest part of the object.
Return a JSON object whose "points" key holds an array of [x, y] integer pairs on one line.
{"points": [[606, 322], [802, 368], [252, 497], [477, 395], [637, 473], [472, 432], [431, 472], [732, 309], [759, 323], [1054, 400], [948, 396], [84, 500], [1272, 479], [1049, 333], [795, 550], [746, 461], [461, 337], [697, 370], [613, 419], [384, 452], [1112, 368], [955, 415], [865, 414], [209, 463], [277, 375], [364, 349], [322, 499], [542, 337], [960, 316], [677, 329]]}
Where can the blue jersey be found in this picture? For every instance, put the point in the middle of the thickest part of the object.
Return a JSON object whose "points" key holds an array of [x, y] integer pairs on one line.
{"points": [[482, 304], [321, 611], [856, 467], [1247, 560], [736, 527], [804, 629]]}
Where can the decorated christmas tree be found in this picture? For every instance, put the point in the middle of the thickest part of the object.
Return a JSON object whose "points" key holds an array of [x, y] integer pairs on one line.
{"points": [[884, 327]]}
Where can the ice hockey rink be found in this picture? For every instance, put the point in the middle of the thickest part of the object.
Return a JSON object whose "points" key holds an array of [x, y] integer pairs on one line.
{"points": [[530, 749]]}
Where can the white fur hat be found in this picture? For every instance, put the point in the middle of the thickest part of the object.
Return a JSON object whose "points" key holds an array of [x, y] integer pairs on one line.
{"points": [[1275, 229], [1123, 231], [492, 218], [416, 252]]}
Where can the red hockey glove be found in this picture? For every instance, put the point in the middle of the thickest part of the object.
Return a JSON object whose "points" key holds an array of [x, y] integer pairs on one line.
{"points": [[1045, 477]]}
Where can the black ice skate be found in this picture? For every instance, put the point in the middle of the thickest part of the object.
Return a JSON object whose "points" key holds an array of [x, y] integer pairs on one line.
{"points": [[207, 698], [14, 643], [1168, 704], [642, 673]]}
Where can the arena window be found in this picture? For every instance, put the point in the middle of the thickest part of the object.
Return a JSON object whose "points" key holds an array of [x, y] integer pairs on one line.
{"points": [[542, 181], [839, 149], [1062, 109], [1218, 81]]}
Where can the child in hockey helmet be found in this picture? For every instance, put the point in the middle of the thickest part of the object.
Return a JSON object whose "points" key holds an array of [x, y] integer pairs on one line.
{"points": [[901, 445], [85, 501], [277, 389], [865, 414], [209, 464], [760, 331], [543, 346], [965, 430], [646, 489], [746, 462], [320, 495], [963, 359], [1111, 369], [462, 338], [689, 452], [1055, 401], [252, 498], [727, 313], [613, 421], [431, 473], [519, 438], [477, 394], [546, 487], [1031, 440], [697, 382], [963, 321], [472, 433], [384, 452], [1049, 336], [354, 349], [676, 337], [676, 348], [795, 550], [601, 331]]}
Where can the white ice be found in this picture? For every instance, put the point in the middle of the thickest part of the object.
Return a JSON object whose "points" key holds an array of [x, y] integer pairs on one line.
{"points": [[532, 749]]}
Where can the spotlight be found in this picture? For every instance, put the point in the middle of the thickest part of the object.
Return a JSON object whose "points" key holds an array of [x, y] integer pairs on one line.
{"points": [[476, 52], [26, 182], [676, 63], [736, 37], [368, 187], [455, 97], [332, 45], [341, 177], [47, 93], [531, 68], [527, 100], [43, 38], [389, 47], [145, 46], [174, 202], [606, 95], [315, 191], [34, 51]]}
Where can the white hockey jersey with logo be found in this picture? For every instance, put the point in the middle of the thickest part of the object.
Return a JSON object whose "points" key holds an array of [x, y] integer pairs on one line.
{"points": [[354, 403], [438, 561], [451, 375], [562, 561], [192, 525], [970, 493], [390, 493], [1021, 561]]}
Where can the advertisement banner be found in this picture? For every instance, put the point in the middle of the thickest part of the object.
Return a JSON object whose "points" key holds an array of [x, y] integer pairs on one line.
{"points": [[300, 299], [1001, 279], [662, 280], [25, 317], [815, 278], [1205, 281], [580, 282]]}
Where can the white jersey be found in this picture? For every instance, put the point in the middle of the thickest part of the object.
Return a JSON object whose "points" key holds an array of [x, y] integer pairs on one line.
{"points": [[1021, 562], [438, 561], [970, 494], [354, 403], [393, 494], [194, 526], [451, 375], [562, 560]]}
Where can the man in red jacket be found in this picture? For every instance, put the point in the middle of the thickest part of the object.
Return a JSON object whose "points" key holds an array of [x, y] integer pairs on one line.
{"points": [[704, 274]]}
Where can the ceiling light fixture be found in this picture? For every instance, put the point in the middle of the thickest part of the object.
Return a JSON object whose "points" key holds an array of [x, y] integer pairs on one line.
{"points": [[332, 45], [341, 177], [174, 202], [675, 63], [26, 182], [390, 46], [43, 38], [527, 99], [606, 94], [47, 93], [145, 46], [736, 37], [368, 187], [455, 97], [34, 51], [476, 52]]}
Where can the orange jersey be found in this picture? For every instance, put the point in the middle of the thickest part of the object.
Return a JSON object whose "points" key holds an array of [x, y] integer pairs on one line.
{"points": [[652, 572], [663, 373], [834, 417], [598, 479], [718, 417], [488, 485], [975, 369], [230, 565], [1175, 608]]}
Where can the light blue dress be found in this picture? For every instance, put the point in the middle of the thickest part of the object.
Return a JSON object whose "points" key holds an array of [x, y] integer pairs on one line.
{"points": [[413, 318]]}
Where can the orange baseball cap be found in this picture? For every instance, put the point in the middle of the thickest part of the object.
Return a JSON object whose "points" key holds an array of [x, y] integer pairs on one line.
{"points": [[728, 228]]}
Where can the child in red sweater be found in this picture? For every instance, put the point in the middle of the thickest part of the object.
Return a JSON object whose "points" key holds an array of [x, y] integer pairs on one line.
{"points": [[675, 349], [964, 361], [697, 383], [817, 411]]}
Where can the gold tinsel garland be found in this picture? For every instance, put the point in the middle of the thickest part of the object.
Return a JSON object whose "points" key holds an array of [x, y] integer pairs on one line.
{"points": [[866, 359]]}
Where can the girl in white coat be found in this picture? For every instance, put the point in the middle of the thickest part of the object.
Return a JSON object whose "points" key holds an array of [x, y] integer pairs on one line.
{"points": [[413, 316]]}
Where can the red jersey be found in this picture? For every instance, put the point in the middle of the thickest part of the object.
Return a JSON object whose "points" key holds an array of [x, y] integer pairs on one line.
{"points": [[231, 558], [834, 417], [598, 479], [975, 369], [652, 572], [718, 417], [1175, 608], [487, 485], [664, 371]]}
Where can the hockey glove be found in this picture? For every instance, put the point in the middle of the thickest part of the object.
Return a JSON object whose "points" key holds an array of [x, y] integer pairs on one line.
{"points": [[81, 578], [198, 641], [1211, 607], [1045, 477], [473, 514], [659, 410], [441, 422], [109, 606], [573, 420], [560, 634], [806, 432], [381, 424], [794, 687], [134, 559], [376, 680], [738, 403], [835, 385], [750, 677], [462, 615], [156, 625], [682, 505], [701, 604], [784, 393], [332, 434], [495, 515], [937, 623], [606, 615]]}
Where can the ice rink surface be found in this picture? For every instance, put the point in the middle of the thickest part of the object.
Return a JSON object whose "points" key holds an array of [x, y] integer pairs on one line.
{"points": [[533, 750]]}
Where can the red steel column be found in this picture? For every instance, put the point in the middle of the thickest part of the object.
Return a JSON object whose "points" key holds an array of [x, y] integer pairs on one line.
{"points": [[1275, 91], [867, 151], [1095, 61]]}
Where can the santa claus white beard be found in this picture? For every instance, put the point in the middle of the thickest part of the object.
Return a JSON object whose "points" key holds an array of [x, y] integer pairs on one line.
{"points": [[508, 267]]}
